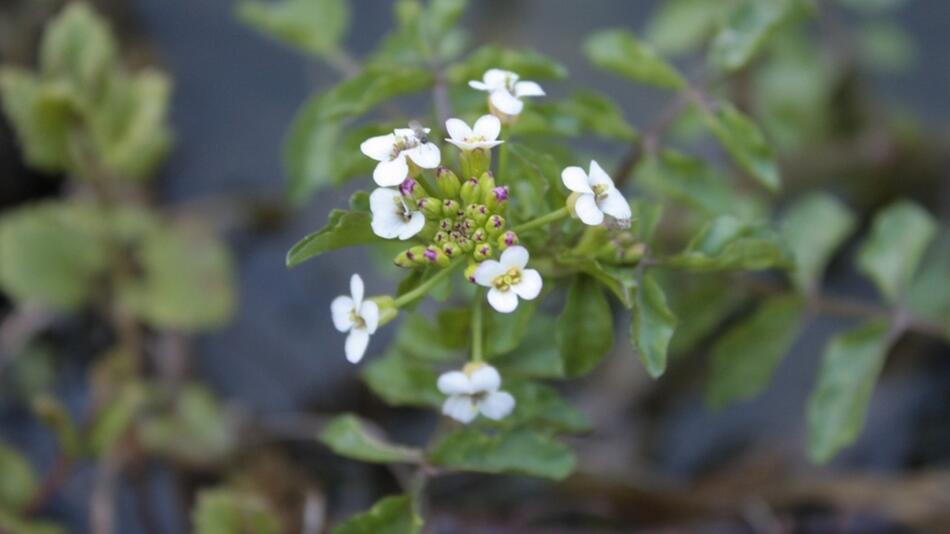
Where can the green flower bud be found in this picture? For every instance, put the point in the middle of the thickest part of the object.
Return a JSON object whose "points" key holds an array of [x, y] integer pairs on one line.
{"points": [[482, 252], [451, 249], [412, 189], [469, 192], [486, 182], [450, 208], [507, 239], [497, 199], [447, 224], [467, 244], [431, 207], [409, 258], [475, 162], [479, 235], [470, 272], [447, 182], [440, 237], [495, 225], [434, 255]]}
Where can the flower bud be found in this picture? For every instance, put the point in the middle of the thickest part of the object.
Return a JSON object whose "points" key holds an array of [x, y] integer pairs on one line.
{"points": [[469, 192], [475, 162], [434, 255], [507, 239], [571, 201], [479, 235], [482, 252], [412, 189], [450, 207], [469, 226], [497, 199], [440, 237], [495, 225], [409, 258], [447, 182], [431, 207], [447, 225], [486, 182], [387, 308], [470, 272], [467, 244], [451, 249]]}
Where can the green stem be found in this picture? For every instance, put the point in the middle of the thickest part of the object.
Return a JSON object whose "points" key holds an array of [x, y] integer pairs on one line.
{"points": [[425, 286], [502, 177], [477, 326], [555, 215]]}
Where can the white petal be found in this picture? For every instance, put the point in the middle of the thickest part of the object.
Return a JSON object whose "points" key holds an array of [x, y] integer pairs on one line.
{"points": [[615, 205], [382, 199], [516, 256], [464, 145], [455, 383], [461, 408], [386, 224], [340, 309], [426, 155], [413, 227], [497, 405], [528, 89], [502, 301], [485, 378], [379, 148], [598, 175], [356, 344], [487, 127], [506, 102], [530, 285], [575, 179], [496, 78], [406, 133], [369, 311], [356, 290], [487, 271], [391, 173], [457, 129], [475, 84], [587, 210], [488, 145]]}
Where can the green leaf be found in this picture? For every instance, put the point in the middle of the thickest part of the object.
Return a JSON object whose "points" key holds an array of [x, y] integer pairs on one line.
{"points": [[18, 483], [78, 48], [618, 51], [528, 64], [10, 523], [890, 254], [348, 436], [504, 332], [421, 339], [538, 355], [422, 34], [311, 26], [620, 283], [517, 451], [701, 303], [187, 280], [646, 219], [814, 227], [727, 243], [583, 112], [401, 381], [929, 295], [194, 430], [585, 329], [310, 148], [886, 47], [344, 229], [540, 404], [652, 326], [233, 511], [748, 26], [51, 253], [745, 357], [745, 142], [390, 515], [114, 420], [682, 26], [41, 115], [838, 405]]}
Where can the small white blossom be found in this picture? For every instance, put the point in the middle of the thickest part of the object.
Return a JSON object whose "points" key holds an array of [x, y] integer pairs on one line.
{"points": [[508, 279], [505, 91], [358, 317], [475, 390], [483, 135], [595, 195], [394, 215], [391, 151]]}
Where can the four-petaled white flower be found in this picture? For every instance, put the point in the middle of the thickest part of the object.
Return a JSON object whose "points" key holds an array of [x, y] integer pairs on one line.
{"points": [[505, 90], [394, 214], [508, 279], [391, 151], [474, 390], [595, 195], [358, 317], [483, 135]]}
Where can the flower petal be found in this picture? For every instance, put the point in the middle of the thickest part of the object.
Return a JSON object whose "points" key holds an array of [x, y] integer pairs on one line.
{"points": [[356, 290], [506, 102], [497, 78], [461, 408], [416, 221], [587, 211], [463, 145], [455, 383], [615, 205], [356, 344], [497, 405], [487, 127], [425, 155], [340, 309], [530, 285], [475, 84], [598, 176], [487, 271], [528, 89], [386, 224], [382, 200], [502, 301], [485, 379], [369, 311], [457, 129], [379, 148], [516, 256], [391, 173], [575, 179]]}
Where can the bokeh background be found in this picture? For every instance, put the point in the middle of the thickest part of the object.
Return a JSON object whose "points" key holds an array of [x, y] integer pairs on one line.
{"points": [[235, 94]]}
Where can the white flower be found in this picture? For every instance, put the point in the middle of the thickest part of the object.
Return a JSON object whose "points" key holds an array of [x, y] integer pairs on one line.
{"points": [[505, 90], [484, 135], [394, 215], [595, 195], [473, 390], [391, 151], [358, 317], [508, 279]]}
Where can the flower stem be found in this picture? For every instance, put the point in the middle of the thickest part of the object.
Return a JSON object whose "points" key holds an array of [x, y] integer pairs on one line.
{"points": [[542, 220], [477, 326], [502, 177], [425, 286]]}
